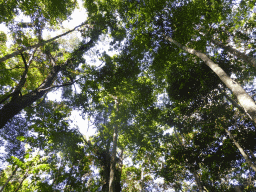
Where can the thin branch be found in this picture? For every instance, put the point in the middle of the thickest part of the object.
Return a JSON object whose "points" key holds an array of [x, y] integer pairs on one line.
{"points": [[247, 159], [15, 53], [237, 53], [21, 182], [48, 53], [11, 68], [63, 85]]}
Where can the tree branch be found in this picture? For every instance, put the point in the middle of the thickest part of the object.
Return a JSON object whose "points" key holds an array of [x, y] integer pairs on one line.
{"points": [[63, 85], [18, 88], [15, 53], [249, 162], [237, 53]]}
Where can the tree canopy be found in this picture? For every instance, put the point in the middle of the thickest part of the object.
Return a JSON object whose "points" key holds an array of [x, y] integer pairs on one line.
{"points": [[174, 109]]}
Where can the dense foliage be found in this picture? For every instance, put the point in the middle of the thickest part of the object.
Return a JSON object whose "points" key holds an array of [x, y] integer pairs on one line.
{"points": [[173, 109]]}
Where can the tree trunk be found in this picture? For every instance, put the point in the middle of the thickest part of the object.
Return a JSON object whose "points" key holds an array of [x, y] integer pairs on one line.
{"points": [[113, 162], [113, 156], [244, 99], [141, 180]]}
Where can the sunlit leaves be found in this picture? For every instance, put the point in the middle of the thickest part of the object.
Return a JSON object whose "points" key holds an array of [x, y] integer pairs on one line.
{"points": [[51, 10]]}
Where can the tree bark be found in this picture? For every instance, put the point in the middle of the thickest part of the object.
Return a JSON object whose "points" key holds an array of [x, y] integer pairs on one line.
{"points": [[9, 110], [113, 162], [141, 180], [15, 53], [113, 156], [237, 53], [244, 99]]}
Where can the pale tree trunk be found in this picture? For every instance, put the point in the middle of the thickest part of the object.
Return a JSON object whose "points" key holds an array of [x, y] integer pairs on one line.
{"points": [[113, 156], [13, 173], [235, 52], [243, 98], [247, 159], [141, 180], [15, 53], [142, 177]]}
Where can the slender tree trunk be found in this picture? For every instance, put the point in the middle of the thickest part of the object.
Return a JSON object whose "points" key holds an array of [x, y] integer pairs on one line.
{"points": [[247, 159], [113, 156], [141, 179], [244, 99], [113, 162], [235, 52], [13, 173], [15, 53]]}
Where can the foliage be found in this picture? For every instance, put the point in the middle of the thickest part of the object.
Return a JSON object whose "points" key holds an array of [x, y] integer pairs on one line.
{"points": [[173, 117]]}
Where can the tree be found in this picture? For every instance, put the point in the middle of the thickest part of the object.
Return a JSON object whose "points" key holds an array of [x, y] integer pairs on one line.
{"points": [[169, 75], [37, 85]]}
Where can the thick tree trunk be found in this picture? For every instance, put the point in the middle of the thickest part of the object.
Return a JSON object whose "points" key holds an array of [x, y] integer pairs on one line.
{"points": [[15, 53], [9, 110], [244, 99], [237, 53]]}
